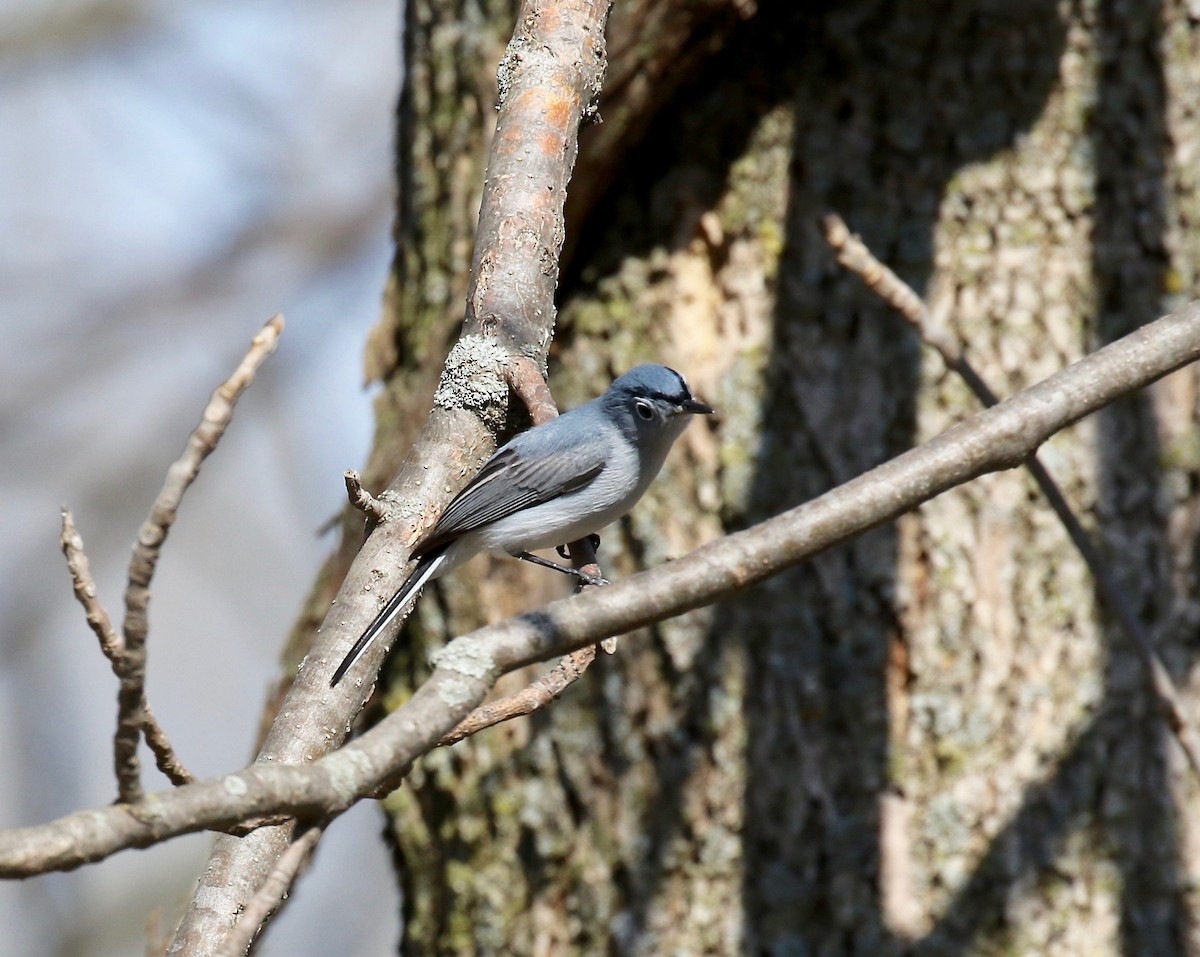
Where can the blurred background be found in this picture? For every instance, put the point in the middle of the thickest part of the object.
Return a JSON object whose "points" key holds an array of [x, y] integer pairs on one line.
{"points": [[170, 176]]}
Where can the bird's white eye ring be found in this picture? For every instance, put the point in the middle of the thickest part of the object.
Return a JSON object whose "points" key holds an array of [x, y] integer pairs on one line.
{"points": [[643, 409]]}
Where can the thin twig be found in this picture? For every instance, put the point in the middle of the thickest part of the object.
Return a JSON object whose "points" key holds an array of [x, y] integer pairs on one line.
{"points": [[165, 758], [464, 671], [570, 668], [855, 256], [133, 717], [529, 385], [270, 894], [376, 509], [111, 642]]}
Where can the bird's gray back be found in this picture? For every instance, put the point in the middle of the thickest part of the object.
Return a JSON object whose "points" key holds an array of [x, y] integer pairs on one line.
{"points": [[576, 513], [535, 467]]}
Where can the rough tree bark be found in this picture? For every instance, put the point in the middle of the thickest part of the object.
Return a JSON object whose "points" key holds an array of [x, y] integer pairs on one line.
{"points": [[928, 740]]}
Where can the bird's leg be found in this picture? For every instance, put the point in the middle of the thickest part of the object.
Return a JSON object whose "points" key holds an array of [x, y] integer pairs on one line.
{"points": [[565, 569], [593, 540]]}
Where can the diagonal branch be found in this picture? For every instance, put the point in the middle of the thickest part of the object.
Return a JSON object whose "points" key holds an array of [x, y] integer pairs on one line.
{"points": [[200, 444], [999, 438], [855, 256], [549, 81], [529, 385]]}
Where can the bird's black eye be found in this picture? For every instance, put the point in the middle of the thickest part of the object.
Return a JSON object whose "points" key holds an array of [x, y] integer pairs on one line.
{"points": [[644, 409]]}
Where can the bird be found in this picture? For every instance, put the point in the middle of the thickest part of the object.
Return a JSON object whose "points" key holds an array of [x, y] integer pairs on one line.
{"points": [[553, 484]]}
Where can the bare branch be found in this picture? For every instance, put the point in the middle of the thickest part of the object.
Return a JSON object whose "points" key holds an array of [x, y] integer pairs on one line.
{"points": [[855, 256], [998, 438], [113, 646], [182, 473], [853, 253]]}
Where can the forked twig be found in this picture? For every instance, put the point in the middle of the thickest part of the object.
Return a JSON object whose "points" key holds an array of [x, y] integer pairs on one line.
{"points": [[853, 253], [126, 651], [113, 645], [133, 715]]}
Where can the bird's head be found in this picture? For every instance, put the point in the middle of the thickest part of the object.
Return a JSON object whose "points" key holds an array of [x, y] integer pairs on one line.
{"points": [[654, 400]]}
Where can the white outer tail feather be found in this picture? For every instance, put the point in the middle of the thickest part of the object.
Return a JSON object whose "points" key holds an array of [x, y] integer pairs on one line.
{"points": [[427, 568]]}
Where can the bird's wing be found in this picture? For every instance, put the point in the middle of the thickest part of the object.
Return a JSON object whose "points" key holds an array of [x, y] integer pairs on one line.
{"points": [[515, 478]]}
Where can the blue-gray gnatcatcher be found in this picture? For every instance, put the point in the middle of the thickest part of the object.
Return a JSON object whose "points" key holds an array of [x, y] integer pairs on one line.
{"points": [[554, 484]]}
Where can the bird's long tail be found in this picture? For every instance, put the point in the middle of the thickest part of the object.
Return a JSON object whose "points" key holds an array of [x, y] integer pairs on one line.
{"points": [[427, 566]]}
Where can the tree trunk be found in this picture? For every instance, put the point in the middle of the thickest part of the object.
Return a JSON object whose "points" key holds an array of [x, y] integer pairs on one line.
{"points": [[927, 740]]}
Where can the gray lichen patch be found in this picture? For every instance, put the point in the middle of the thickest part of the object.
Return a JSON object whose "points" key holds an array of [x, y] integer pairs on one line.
{"points": [[454, 692], [518, 47], [347, 768], [467, 657], [404, 509], [473, 379]]}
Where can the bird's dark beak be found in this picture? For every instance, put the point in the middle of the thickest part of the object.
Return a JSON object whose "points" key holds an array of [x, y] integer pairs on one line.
{"points": [[696, 407]]}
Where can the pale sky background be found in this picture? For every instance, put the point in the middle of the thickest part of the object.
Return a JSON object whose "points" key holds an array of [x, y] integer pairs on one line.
{"points": [[170, 176]]}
